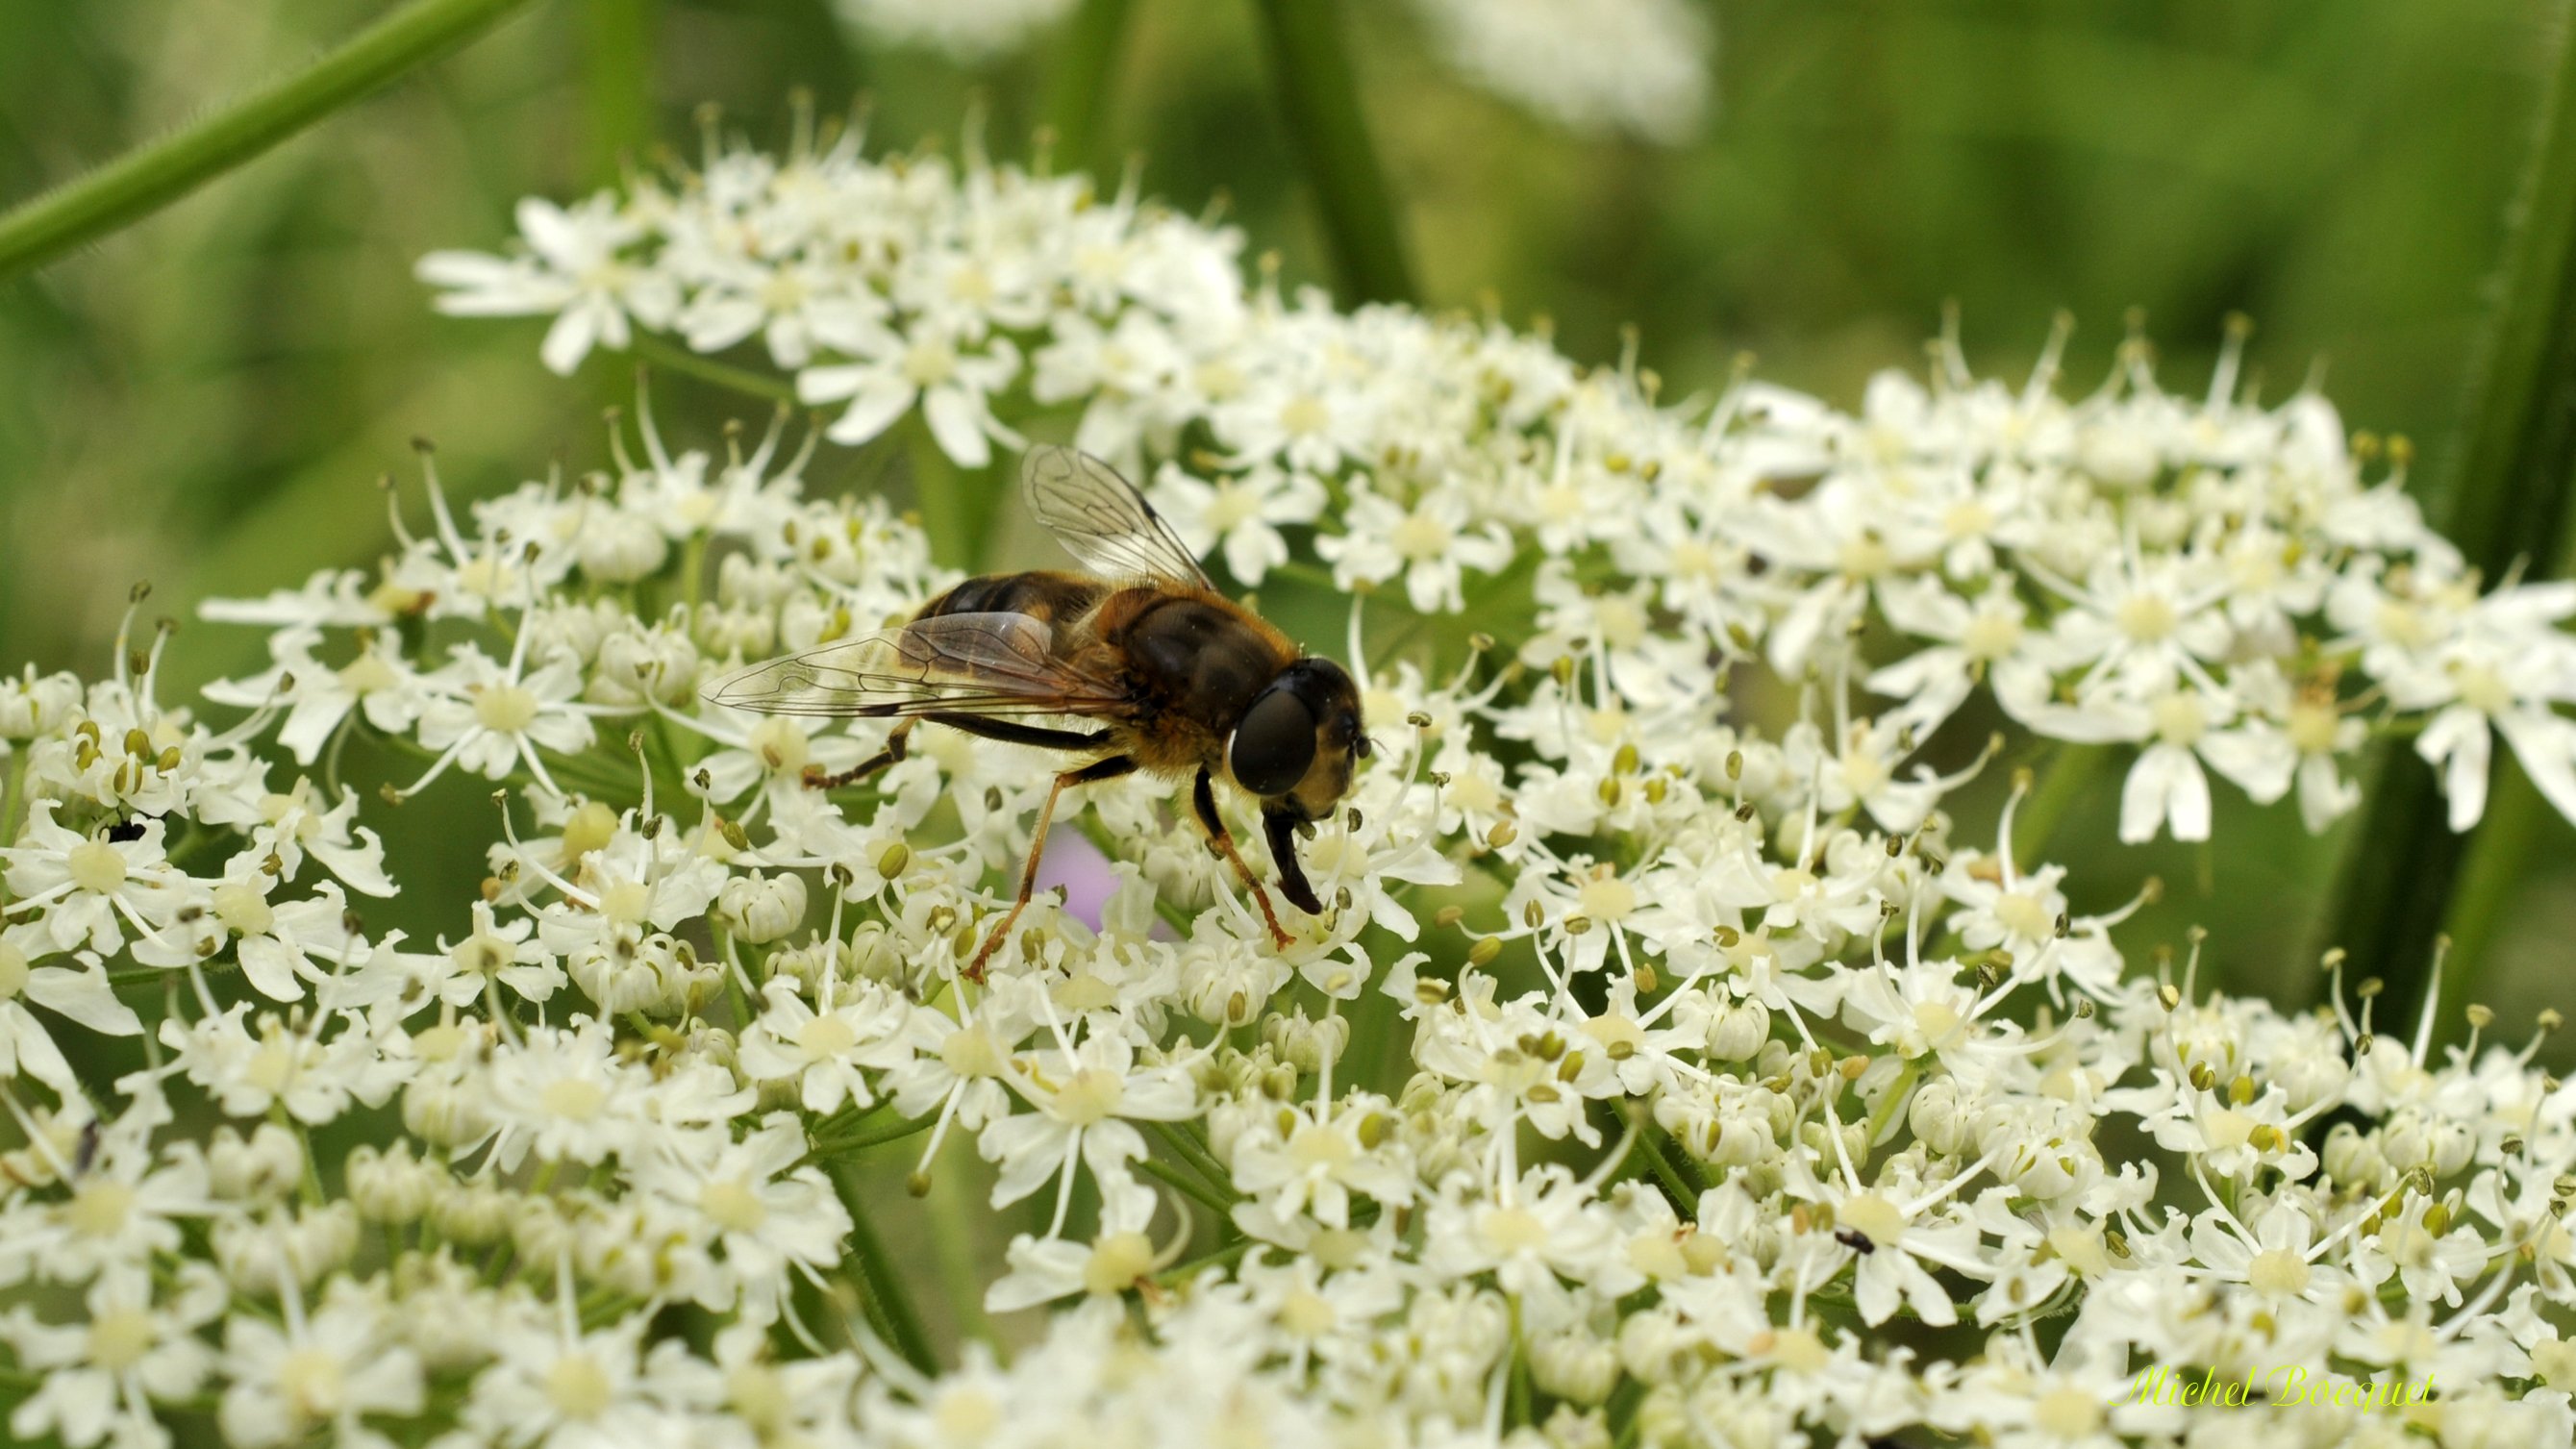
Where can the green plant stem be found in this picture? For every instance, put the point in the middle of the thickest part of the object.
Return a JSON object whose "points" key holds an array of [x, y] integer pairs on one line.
{"points": [[2513, 834], [1180, 1273], [617, 81], [880, 1282], [662, 352], [1685, 1196], [2516, 457], [955, 1213], [1188, 1183], [1181, 1139], [1319, 104], [2071, 771], [873, 1137], [144, 180], [939, 491], [1085, 71]]}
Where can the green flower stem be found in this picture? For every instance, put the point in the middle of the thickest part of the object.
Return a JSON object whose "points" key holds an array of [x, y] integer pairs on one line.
{"points": [[1319, 104], [662, 352], [1078, 95], [143, 181], [879, 1281], [2402, 864]]}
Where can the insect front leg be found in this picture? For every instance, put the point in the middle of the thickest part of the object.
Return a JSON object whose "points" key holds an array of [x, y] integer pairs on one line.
{"points": [[896, 746], [1108, 769], [1221, 842]]}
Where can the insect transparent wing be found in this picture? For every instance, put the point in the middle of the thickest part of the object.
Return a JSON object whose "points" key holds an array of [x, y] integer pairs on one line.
{"points": [[1102, 520], [983, 664]]}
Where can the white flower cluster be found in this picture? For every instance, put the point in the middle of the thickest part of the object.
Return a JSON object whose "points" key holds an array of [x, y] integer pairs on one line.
{"points": [[1640, 66], [2213, 582], [966, 30], [1590, 66], [1725, 1098]]}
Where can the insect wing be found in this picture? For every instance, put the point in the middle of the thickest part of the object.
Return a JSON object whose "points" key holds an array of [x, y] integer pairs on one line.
{"points": [[983, 664], [1102, 520]]}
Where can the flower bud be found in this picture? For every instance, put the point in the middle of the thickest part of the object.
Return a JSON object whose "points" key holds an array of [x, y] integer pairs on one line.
{"points": [[1936, 1118], [1737, 1029], [261, 1170], [254, 1252], [1651, 1341], [2351, 1158], [440, 1110], [1303, 1043], [391, 1187], [2119, 453], [538, 1229], [1574, 1366], [474, 1214], [1572, 1428], [639, 664], [615, 546], [760, 908]]}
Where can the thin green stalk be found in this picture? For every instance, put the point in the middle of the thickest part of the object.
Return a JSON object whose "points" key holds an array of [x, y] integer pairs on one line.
{"points": [[143, 181], [874, 1137], [1517, 1412], [2514, 463], [1183, 1140], [878, 1277], [662, 352], [1319, 103], [1180, 1273], [1078, 96], [1187, 1182], [1685, 1197]]}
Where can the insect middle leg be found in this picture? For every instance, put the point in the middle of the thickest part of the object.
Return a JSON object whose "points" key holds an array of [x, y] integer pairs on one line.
{"points": [[893, 753], [898, 742], [1221, 842], [1108, 769]]}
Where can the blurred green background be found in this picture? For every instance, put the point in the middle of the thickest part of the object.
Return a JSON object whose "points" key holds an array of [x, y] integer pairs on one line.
{"points": [[207, 400]]}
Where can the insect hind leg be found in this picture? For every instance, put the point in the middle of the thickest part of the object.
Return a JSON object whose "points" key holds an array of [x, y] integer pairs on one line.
{"points": [[897, 745], [1108, 769]]}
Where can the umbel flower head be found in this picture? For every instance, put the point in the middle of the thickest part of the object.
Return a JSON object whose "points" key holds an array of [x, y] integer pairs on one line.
{"points": [[1646, 1078]]}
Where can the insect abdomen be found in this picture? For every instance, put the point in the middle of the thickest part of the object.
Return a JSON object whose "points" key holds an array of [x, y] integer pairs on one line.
{"points": [[1044, 595]]}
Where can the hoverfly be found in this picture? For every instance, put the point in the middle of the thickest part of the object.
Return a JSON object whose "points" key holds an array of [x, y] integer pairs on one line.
{"points": [[1177, 679]]}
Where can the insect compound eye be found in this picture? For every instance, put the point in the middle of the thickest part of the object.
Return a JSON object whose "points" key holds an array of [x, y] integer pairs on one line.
{"points": [[1274, 744]]}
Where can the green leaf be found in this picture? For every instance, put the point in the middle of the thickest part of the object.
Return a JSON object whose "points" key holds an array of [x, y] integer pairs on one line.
{"points": [[143, 181]]}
